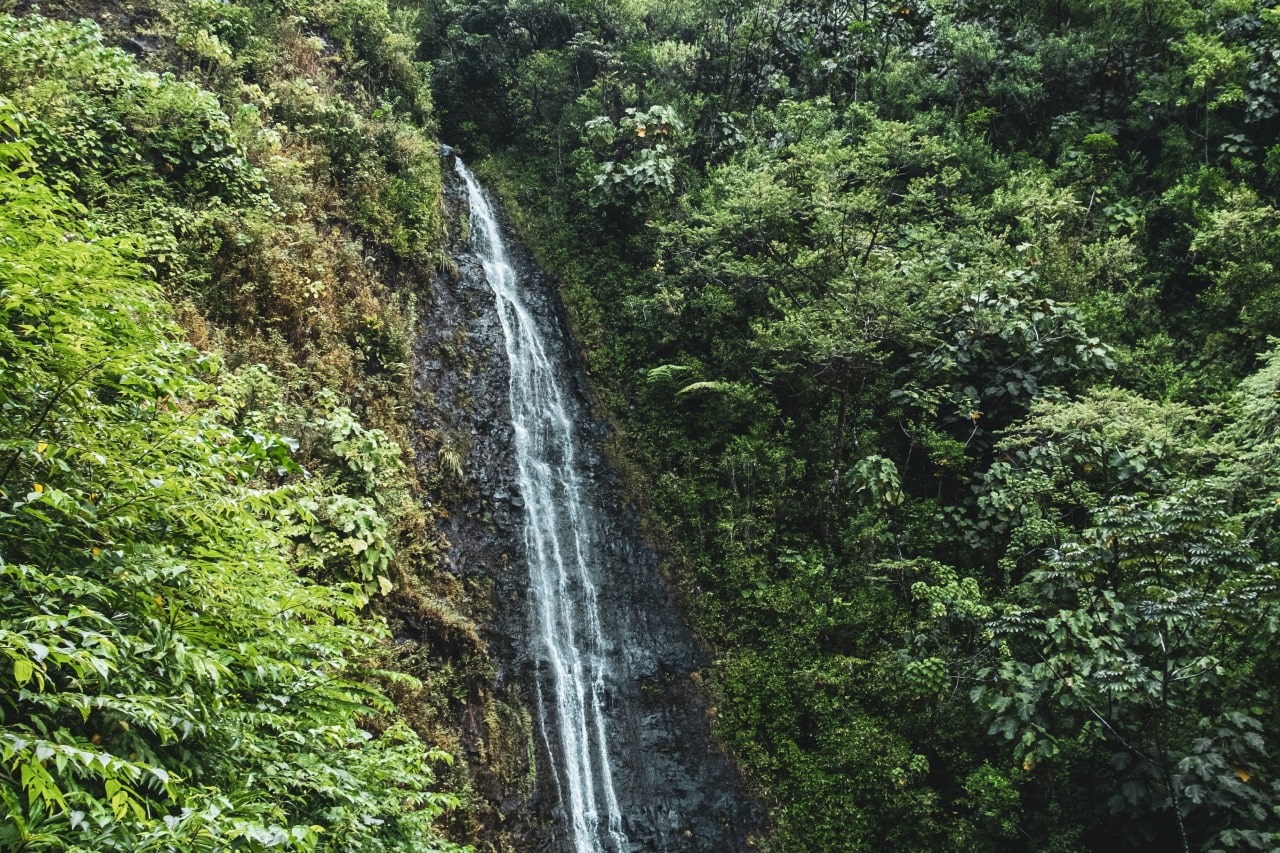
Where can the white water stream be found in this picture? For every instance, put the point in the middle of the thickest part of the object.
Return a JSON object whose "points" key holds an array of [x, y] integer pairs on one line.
{"points": [[562, 586]]}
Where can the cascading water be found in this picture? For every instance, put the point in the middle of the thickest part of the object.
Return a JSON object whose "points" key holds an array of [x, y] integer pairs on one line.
{"points": [[571, 649], [617, 754]]}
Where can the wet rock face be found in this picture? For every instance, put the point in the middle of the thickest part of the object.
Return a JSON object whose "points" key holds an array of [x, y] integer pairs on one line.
{"points": [[675, 791]]}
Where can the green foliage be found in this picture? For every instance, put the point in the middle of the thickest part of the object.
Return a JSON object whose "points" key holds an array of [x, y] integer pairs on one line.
{"points": [[171, 681], [1067, 458], [121, 118], [994, 799], [1130, 635], [640, 149], [1000, 352], [946, 289]]}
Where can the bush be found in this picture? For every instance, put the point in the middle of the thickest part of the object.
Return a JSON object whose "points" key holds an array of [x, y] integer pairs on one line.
{"points": [[169, 681]]}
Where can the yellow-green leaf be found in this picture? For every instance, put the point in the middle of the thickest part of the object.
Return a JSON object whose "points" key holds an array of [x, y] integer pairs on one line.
{"points": [[22, 671]]}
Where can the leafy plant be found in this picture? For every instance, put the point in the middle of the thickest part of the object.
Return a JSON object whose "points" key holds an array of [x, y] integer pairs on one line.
{"points": [[169, 680], [1130, 635]]}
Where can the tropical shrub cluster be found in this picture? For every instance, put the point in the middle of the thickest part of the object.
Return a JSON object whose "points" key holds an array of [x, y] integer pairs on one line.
{"points": [[210, 218], [171, 680]]}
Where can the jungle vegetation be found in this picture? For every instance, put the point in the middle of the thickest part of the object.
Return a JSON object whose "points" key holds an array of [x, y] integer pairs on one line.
{"points": [[210, 513], [940, 339]]}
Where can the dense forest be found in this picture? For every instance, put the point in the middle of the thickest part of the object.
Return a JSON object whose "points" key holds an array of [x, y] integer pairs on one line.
{"points": [[940, 343], [937, 337]]}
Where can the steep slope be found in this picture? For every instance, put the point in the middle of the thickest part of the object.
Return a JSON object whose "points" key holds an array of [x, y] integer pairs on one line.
{"points": [[265, 177], [669, 787]]}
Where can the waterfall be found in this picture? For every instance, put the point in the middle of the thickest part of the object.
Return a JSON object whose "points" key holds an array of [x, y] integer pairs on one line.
{"points": [[562, 555]]}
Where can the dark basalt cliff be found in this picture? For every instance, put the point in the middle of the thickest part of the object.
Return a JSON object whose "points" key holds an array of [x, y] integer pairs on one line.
{"points": [[676, 791]]}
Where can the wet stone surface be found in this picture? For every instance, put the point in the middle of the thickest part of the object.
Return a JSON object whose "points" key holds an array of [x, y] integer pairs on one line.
{"points": [[675, 791]]}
